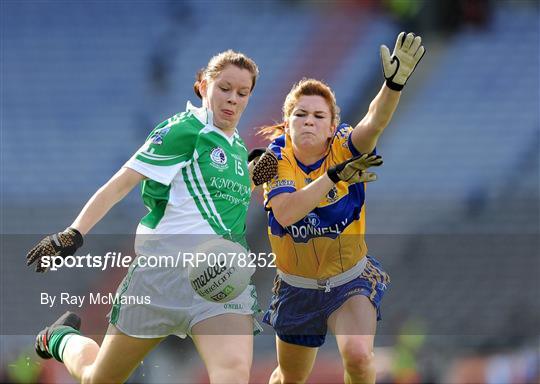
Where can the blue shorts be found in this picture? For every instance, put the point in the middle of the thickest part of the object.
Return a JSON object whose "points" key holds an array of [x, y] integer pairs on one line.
{"points": [[299, 315]]}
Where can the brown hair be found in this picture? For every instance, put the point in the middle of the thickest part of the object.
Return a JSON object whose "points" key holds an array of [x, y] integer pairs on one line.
{"points": [[218, 64], [305, 87]]}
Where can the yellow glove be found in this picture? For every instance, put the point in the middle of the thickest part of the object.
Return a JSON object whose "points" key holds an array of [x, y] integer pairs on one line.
{"points": [[406, 56], [353, 170]]}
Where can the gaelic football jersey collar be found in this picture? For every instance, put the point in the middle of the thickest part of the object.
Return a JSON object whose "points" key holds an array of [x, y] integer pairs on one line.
{"points": [[206, 117]]}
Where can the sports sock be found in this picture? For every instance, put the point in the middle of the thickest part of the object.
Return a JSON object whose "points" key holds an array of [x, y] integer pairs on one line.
{"points": [[58, 340]]}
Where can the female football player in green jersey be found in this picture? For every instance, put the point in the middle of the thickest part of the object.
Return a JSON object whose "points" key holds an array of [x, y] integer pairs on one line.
{"points": [[316, 223], [195, 180]]}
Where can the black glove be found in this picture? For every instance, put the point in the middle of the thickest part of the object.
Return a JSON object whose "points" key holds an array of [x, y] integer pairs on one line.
{"points": [[263, 165], [59, 244], [353, 170], [257, 152]]}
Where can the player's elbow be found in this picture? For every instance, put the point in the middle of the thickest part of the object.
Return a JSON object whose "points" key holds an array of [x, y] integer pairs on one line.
{"points": [[121, 184], [375, 125], [283, 217], [283, 209]]}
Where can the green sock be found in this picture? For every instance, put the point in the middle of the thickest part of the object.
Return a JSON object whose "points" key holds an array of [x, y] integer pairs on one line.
{"points": [[57, 341], [63, 344]]}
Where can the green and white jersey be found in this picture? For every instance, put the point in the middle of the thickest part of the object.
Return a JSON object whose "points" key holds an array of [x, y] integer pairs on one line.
{"points": [[198, 180]]}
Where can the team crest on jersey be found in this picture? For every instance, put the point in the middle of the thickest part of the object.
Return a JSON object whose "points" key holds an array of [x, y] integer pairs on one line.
{"points": [[157, 137], [312, 219], [219, 158], [332, 195]]}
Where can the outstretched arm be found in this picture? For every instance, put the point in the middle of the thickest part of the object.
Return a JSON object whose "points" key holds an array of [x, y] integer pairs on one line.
{"points": [[67, 242], [105, 198], [367, 131], [397, 69]]}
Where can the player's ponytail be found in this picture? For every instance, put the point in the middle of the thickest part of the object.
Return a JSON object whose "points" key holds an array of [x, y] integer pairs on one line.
{"points": [[197, 84], [270, 132]]}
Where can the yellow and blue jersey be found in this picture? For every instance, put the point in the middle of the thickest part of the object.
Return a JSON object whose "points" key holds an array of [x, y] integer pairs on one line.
{"points": [[330, 239]]}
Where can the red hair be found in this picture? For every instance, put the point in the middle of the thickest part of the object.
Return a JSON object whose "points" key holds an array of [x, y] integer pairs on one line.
{"points": [[305, 87]]}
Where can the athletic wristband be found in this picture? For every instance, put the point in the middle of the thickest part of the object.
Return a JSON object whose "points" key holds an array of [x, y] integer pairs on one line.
{"points": [[332, 175], [77, 236], [393, 86]]}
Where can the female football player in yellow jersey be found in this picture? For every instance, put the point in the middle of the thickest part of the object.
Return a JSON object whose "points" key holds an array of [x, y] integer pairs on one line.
{"points": [[170, 161], [317, 223]]}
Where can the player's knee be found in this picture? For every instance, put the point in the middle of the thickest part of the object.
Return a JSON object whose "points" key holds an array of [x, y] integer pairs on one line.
{"points": [[241, 367], [290, 376], [357, 357], [234, 375], [87, 376], [93, 376], [234, 370]]}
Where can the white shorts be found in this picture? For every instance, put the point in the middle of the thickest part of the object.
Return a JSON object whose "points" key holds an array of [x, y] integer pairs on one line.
{"points": [[156, 302]]}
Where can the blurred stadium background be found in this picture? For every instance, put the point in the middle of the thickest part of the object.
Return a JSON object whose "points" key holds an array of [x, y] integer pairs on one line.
{"points": [[454, 216]]}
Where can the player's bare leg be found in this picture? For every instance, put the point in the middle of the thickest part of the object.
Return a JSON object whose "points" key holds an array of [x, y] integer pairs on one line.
{"points": [[354, 325], [295, 363], [113, 362], [85, 360], [225, 344]]}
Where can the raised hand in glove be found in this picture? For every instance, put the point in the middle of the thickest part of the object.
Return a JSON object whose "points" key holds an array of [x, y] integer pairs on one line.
{"points": [[399, 67], [262, 165], [59, 244], [353, 170]]}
